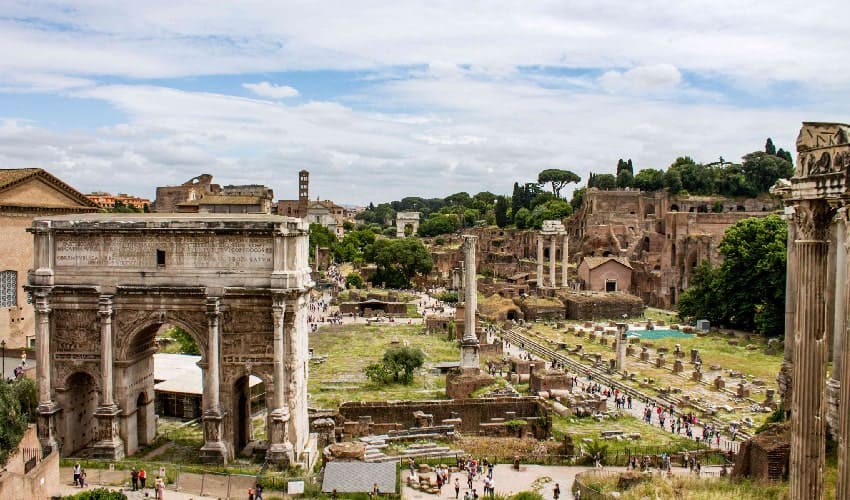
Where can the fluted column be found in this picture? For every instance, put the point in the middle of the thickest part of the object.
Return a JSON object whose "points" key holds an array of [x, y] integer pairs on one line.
{"points": [[552, 251], [540, 280], [565, 259], [837, 275], [214, 450], [280, 451], [810, 351], [784, 378], [843, 368]]}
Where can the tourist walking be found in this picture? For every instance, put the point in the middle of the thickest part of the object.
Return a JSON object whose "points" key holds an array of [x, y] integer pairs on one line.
{"points": [[457, 488], [134, 478], [143, 476], [159, 487], [557, 492], [77, 470]]}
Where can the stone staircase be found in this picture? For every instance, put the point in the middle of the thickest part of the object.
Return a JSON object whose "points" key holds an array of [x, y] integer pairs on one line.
{"points": [[376, 444]]}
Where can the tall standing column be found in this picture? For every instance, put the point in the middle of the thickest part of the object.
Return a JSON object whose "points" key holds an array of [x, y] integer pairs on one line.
{"points": [[540, 280], [810, 349], [47, 407], [214, 450], [621, 345], [280, 451], [109, 445], [843, 488], [837, 275], [469, 342], [784, 378], [552, 251], [565, 259]]}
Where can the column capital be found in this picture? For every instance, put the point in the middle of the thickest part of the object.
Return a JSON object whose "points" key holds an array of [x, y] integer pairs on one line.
{"points": [[41, 301], [104, 306], [812, 218], [213, 308]]}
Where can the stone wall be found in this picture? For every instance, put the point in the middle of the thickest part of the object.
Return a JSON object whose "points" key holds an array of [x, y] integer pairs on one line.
{"points": [[591, 306], [473, 412]]}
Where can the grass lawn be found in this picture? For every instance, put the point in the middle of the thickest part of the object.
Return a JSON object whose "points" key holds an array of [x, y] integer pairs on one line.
{"points": [[694, 489], [350, 348], [590, 428]]}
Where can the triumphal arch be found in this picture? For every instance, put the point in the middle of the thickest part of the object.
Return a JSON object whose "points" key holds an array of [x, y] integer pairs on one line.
{"points": [[103, 284]]}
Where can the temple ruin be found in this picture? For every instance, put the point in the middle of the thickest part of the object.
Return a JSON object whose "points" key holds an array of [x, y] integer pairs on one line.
{"points": [[816, 307], [103, 285]]}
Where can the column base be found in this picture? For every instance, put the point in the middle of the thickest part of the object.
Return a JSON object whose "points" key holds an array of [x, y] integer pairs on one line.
{"points": [[110, 446], [833, 413], [281, 451], [214, 450], [46, 427]]}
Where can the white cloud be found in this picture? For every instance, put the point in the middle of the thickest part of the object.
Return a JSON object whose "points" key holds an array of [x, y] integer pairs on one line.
{"points": [[266, 89], [650, 78]]}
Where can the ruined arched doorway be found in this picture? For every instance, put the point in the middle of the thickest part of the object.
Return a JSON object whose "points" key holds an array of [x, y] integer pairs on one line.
{"points": [[137, 368], [251, 419], [79, 401]]}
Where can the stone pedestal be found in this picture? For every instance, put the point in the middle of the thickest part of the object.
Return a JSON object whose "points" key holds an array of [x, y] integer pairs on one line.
{"points": [[47, 435], [214, 451], [678, 366], [644, 354], [719, 383], [109, 445], [696, 376], [659, 361], [280, 450]]}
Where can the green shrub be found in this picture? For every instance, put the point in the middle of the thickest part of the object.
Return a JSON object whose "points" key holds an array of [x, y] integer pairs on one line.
{"points": [[98, 494]]}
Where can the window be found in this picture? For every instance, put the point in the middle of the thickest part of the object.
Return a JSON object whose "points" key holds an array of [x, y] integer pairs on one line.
{"points": [[8, 289], [160, 258]]}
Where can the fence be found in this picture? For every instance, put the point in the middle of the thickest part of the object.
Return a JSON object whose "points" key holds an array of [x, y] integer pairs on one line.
{"points": [[192, 479]]}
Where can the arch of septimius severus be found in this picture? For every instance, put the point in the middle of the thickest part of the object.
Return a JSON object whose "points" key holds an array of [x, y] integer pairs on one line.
{"points": [[816, 320], [102, 286]]}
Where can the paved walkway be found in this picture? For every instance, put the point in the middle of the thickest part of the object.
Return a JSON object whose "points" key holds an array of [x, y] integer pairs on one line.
{"points": [[637, 409], [508, 481]]}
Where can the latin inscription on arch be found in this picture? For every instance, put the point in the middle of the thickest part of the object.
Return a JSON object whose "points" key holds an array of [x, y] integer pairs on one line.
{"points": [[140, 251]]}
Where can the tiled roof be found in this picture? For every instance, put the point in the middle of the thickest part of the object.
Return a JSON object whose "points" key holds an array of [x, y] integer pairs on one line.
{"points": [[12, 176], [358, 477], [594, 262], [229, 200]]}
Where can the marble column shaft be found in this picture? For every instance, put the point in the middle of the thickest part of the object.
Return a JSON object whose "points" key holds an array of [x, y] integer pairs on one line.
{"points": [[841, 365], [540, 280], [565, 256], [42, 340], [470, 290], [552, 250], [212, 385], [809, 371], [107, 383], [784, 378]]}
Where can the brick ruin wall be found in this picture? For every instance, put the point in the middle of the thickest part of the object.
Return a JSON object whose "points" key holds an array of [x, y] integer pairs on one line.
{"points": [[472, 412]]}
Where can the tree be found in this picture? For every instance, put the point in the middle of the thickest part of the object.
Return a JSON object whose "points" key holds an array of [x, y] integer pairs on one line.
{"points": [[353, 280], [747, 290], [552, 210], [521, 219], [16, 411], [397, 365], [438, 224], [558, 178], [321, 236], [185, 341], [769, 148], [501, 211], [398, 261], [673, 181], [649, 179], [602, 181], [578, 198], [762, 170]]}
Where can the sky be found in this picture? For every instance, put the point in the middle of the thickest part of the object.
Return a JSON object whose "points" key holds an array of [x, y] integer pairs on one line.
{"points": [[382, 100]]}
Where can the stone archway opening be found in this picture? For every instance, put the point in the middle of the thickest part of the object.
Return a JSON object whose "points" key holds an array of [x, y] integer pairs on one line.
{"points": [[250, 416], [80, 401]]}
